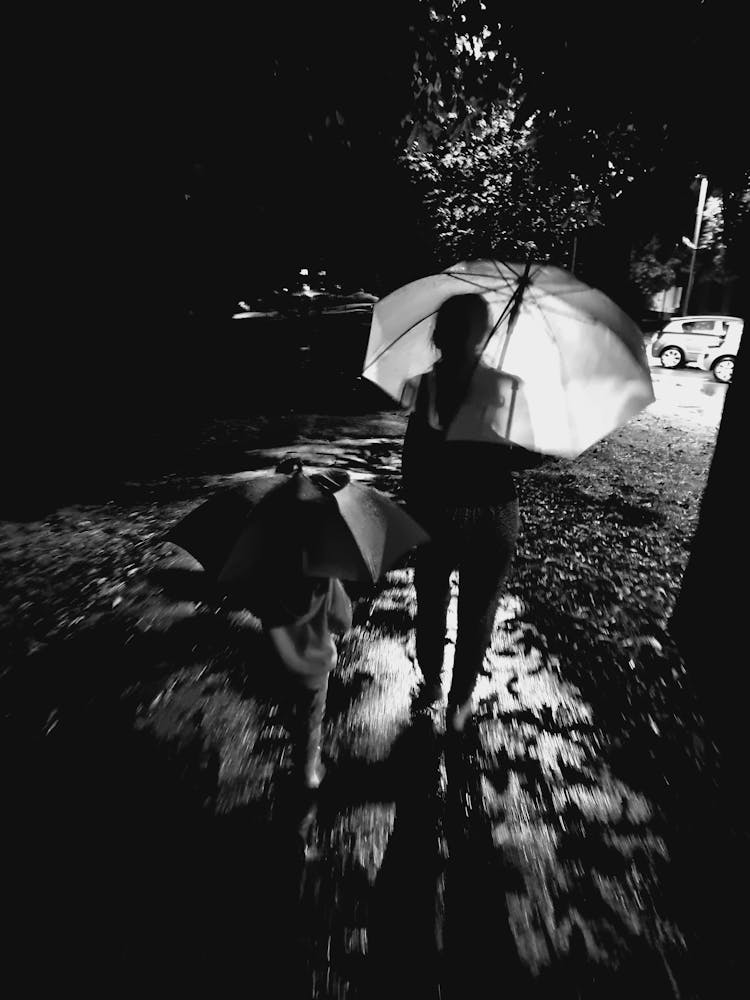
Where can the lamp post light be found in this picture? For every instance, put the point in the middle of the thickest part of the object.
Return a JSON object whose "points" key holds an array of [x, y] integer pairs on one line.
{"points": [[694, 243]]}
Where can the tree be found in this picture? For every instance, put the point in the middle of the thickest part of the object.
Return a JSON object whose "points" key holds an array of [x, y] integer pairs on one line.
{"points": [[712, 653], [715, 276], [638, 73], [485, 192], [299, 141], [588, 84], [652, 270]]}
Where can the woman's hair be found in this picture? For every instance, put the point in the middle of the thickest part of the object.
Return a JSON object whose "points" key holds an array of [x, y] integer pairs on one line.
{"points": [[462, 322], [461, 330]]}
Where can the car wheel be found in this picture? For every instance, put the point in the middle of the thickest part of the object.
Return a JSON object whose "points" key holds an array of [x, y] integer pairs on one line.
{"points": [[724, 369], [672, 357]]}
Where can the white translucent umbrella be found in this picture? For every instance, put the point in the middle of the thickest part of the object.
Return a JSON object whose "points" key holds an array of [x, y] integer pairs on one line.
{"points": [[562, 366]]}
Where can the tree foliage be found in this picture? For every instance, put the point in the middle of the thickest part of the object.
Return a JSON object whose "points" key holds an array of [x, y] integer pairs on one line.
{"points": [[298, 117], [651, 270], [588, 81], [717, 263], [658, 264], [486, 192]]}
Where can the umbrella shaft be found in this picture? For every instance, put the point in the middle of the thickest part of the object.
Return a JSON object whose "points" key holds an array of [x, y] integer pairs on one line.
{"points": [[511, 326]]}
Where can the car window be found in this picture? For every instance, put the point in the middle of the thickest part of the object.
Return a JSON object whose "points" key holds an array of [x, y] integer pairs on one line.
{"points": [[698, 326]]}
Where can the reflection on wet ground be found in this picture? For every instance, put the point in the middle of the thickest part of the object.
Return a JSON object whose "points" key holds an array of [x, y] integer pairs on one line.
{"points": [[525, 853], [514, 844]]}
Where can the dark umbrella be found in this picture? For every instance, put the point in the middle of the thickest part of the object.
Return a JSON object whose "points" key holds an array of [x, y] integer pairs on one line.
{"points": [[322, 525]]}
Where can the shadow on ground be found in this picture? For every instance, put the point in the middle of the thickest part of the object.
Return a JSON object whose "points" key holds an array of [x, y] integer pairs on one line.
{"points": [[568, 844]]}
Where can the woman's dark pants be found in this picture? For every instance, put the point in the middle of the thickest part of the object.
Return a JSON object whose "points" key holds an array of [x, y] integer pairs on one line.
{"points": [[479, 542]]}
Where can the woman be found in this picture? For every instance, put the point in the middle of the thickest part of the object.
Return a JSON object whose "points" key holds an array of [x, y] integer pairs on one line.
{"points": [[464, 495]]}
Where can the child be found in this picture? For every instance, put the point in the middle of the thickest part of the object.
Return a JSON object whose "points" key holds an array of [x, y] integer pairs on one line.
{"points": [[298, 614], [298, 619]]}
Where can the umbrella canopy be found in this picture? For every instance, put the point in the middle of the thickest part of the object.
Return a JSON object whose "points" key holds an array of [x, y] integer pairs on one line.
{"points": [[562, 365], [320, 525]]}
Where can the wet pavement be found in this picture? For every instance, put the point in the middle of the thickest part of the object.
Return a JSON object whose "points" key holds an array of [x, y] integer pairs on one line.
{"points": [[538, 852], [687, 394], [424, 853]]}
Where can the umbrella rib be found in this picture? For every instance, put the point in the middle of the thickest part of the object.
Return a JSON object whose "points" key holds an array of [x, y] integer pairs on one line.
{"points": [[476, 274], [564, 293], [508, 306], [465, 278], [462, 276], [496, 264], [531, 295], [593, 320], [416, 323], [452, 274], [560, 292], [579, 317], [585, 319], [527, 272], [543, 313], [514, 305], [512, 300], [366, 557], [504, 277], [525, 281], [491, 334], [506, 309], [509, 284], [396, 340]]}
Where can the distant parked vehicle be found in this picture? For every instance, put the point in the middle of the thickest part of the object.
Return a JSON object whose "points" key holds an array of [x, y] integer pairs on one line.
{"points": [[356, 302], [261, 308], [720, 360], [306, 303], [685, 339]]}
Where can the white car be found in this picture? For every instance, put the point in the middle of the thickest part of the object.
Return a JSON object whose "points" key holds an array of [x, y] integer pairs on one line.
{"points": [[686, 339], [720, 359]]}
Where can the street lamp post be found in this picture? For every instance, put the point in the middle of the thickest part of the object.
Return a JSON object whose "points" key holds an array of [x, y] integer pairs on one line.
{"points": [[694, 245]]}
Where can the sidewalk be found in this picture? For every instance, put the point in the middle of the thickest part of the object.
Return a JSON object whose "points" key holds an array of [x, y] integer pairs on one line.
{"points": [[519, 839], [538, 846]]}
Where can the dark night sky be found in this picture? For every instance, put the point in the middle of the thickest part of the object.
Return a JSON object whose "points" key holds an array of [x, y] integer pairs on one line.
{"points": [[266, 197], [118, 134]]}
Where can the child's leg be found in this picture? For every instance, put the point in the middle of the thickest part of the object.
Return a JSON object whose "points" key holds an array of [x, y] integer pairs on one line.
{"points": [[307, 731], [432, 574]]}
